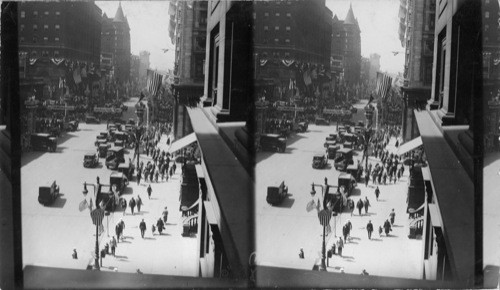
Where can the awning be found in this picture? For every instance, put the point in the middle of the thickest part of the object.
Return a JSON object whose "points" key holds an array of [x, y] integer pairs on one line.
{"points": [[435, 217], [210, 213], [183, 142], [408, 146]]}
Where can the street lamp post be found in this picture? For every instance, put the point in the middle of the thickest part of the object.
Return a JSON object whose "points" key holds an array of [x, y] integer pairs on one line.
{"points": [[85, 191], [323, 249]]}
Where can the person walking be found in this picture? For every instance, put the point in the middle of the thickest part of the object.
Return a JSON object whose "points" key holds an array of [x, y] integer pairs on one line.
{"points": [[113, 246], [369, 229], [123, 203], [138, 176], [367, 177], [131, 204], [345, 232], [301, 253], [392, 215], [359, 205], [139, 203], [387, 227], [149, 191], [350, 205], [340, 246], [122, 226], [142, 227], [377, 192], [118, 231], [160, 226], [380, 230], [165, 215], [366, 204]]}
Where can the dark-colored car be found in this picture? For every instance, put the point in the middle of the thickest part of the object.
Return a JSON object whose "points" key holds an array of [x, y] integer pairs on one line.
{"points": [[48, 193], [329, 143], [103, 150], [127, 169], [272, 142], [319, 161], [348, 182], [331, 151], [115, 156], [276, 194], [100, 140], [343, 159], [71, 126], [119, 180], [90, 160], [321, 121], [335, 198], [92, 120], [106, 198], [43, 142], [354, 170]]}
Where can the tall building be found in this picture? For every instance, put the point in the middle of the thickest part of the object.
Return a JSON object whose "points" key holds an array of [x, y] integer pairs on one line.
{"points": [[291, 38], [56, 39], [417, 21], [135, 65], [445, 121], [374, 66], [346, 46], [115, 45], [365, 70], [144, 66], [190, 36]]}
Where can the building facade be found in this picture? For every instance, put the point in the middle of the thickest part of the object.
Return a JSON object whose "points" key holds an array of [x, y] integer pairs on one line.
{"points": [[115, 46], [374, 66], [143, 68], [346, 46], [418, 19], [190, 38], [56, 39], [135, 65]]}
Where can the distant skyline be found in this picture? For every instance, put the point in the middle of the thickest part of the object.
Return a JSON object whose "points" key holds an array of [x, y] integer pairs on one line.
{"points": [[148, 21], [378, 21]]}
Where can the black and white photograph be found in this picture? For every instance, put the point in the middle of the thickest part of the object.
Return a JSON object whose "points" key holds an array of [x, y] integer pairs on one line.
{"points": [[250, 144]]}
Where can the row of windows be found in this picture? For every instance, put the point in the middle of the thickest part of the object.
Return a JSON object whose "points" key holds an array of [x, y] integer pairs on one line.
{"points": [[276, 28], [276, 40], [275, 54], [35, 39], [45, 26], [35, 13], [34, 53], [277, 14]]}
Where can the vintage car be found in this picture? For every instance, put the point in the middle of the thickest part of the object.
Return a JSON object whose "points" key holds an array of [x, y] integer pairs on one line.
{"points": [[343, 159], [276, 194], [103, 150], [100, 140], [106, 199], [355, 171], [48, 193], [272, 142], [43, 142], [331, 151], [127, 169], [90, 160], [115, 156], [119, 181], [71, 126], [319, 161], [92, 120], [335, 198], [348, 182]]}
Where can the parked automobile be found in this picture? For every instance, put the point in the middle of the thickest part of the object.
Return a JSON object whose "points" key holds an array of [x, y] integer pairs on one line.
{"points": [[92, 120], [103, 150], [90, 160], [331, 151], [115, 156], [100, 140], [127, 169], [347, 181], [71, 126], [301, 126], [276, 194], [43, 142], [355, 171], [343, 159], [119, 180], [48, 193], [329, 143], [272, 142], [319, 161], [106, 198]]}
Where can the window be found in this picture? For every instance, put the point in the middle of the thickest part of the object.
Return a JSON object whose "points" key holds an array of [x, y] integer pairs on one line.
{"points": [[57, 26], [56, 53], [287, 40], [23, 14], [34, 54], [276, 40], [276, 28], [487, 14], [45, 53], [486, 27], [45, 26], [35, 27], [45, 38], [21, 39], [56, 39], [289, 15], [277, 14], [21, 27], [35, 13], [266, 28], [287, 54], [58, 13], [35, 39], [254, 15], [487, 1], [266, 14], [46, 13], [288, 28]]}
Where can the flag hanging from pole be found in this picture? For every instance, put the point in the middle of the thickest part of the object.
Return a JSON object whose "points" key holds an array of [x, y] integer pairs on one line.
{"points": [[384, 83], [154, 82], [101, 229], [83, 205]]}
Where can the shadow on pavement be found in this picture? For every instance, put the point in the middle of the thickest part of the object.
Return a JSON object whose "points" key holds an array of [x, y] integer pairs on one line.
{"points": [[148, 238], [377, 240], [370, 214], [381, 200], [170, 224], [30, 156], [356, 192], [142, 212], [121, 257], [287, 203], [128, 190]]}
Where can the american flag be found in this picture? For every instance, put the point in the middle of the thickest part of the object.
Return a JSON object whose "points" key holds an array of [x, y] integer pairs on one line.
{"points": [[324, 217], [384, 83], [154, 82]]}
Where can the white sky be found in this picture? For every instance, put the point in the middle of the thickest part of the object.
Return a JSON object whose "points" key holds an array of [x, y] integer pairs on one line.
{"points": [[378, 21]]}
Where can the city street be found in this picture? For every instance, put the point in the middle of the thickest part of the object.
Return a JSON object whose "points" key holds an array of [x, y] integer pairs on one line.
{"points": [[51, 232], [282, 230]]}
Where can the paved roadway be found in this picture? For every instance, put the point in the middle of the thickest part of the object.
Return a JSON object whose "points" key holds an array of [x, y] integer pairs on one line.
{"points": [[50, 233], [282, 230]]}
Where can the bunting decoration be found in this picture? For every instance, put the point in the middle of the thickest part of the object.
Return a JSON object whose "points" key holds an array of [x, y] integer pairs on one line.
{"points": [[287, 63], [33, 60], [263, 62], [57, 60]]}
